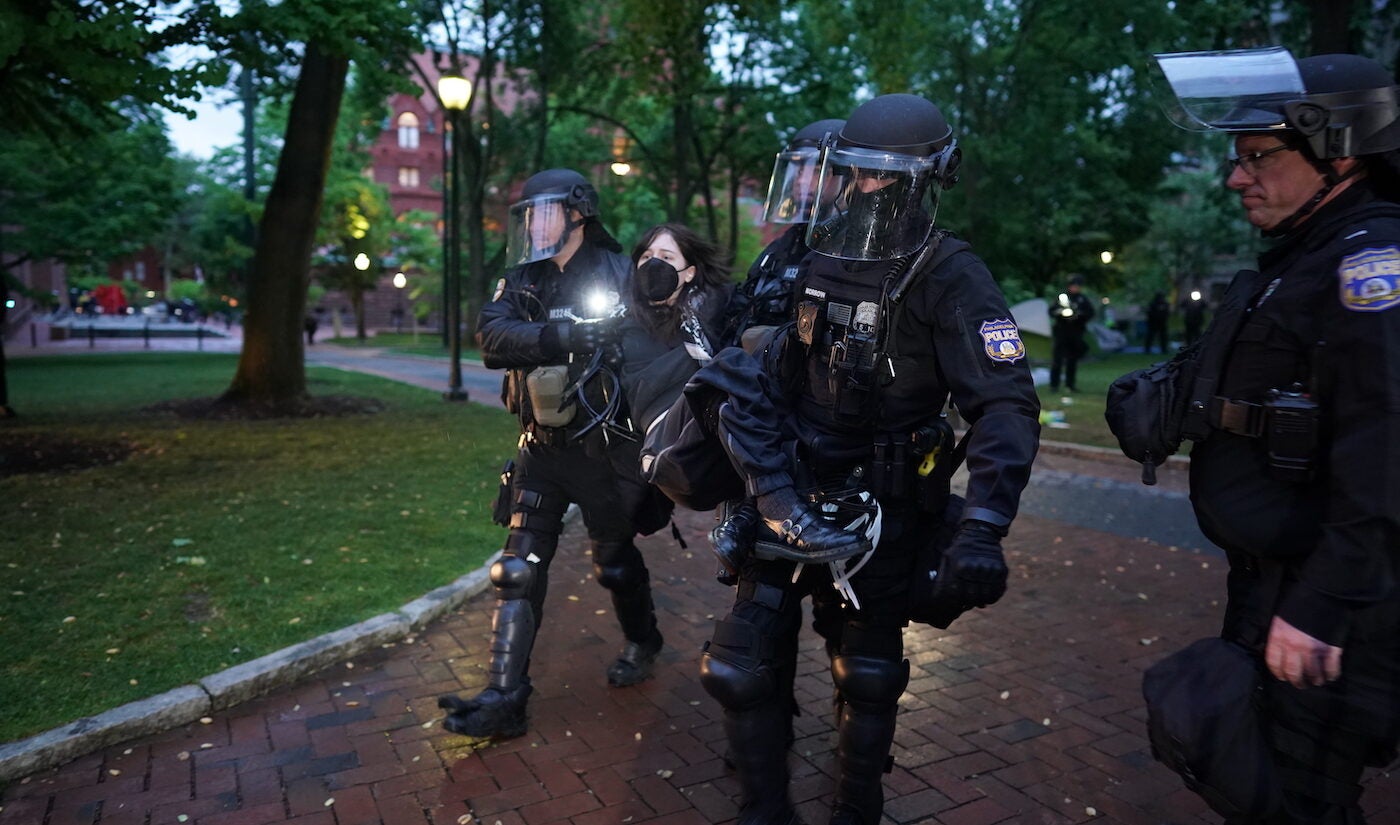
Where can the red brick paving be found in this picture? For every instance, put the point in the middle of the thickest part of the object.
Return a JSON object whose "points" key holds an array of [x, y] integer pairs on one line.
{"points": [[1028, 712]]}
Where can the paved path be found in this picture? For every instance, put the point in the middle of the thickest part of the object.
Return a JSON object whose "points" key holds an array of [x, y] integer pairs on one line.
{"points": [[1028, 712]]}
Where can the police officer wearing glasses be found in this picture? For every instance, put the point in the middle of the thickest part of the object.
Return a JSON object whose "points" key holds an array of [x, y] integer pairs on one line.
{"points": [[544, 326], [892, 317], [1297, 473]]}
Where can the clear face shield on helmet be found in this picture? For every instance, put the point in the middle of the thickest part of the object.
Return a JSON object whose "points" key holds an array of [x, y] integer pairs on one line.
{"points": [[872, 205], [792, 189], [1234, 91], [538, 228]]}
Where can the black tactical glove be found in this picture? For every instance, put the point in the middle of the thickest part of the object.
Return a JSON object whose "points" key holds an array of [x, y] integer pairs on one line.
{"points": [[583, 338], [973, 571]]}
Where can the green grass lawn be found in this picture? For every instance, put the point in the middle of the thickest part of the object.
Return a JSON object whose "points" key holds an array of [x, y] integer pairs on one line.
{"points": [[403, 343], [215, 542], [1084, 411]]}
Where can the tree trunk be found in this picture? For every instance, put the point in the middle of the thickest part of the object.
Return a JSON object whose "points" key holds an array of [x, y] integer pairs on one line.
{"points": [[357, 306], [6, 411], [1331, 27], [272, 369]]}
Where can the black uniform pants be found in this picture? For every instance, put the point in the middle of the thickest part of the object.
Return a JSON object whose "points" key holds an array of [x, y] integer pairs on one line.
{"points": [[1324, 736], [1064, 358], [1156, 333], [605, 485], [760, 636]]}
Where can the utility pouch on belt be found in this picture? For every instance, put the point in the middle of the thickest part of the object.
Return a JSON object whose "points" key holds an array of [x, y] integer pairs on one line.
{"points": [[545, 386], [500, 511]]}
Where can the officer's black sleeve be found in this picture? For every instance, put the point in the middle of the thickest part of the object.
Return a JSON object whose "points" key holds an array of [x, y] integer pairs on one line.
{"points": [[505, 332], [1357, 560], [983, 361]]}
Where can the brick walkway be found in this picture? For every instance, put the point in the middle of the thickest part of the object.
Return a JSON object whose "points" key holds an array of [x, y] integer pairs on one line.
{"points": [[1027, 712]]}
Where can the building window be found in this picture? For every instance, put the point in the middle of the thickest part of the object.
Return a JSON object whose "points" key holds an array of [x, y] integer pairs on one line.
{"points": [[408, 176], [140, 270], [408, 131]]}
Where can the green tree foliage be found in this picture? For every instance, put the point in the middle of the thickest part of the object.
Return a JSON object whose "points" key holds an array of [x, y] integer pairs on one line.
{"points": [[91, 199], [63, 62]]}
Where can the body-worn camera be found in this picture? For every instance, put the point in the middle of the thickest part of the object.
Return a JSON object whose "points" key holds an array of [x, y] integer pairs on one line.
{"points": [[1290, 434]]}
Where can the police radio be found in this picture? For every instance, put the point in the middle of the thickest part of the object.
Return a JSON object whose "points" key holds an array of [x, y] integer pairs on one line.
{"points": [[1291, 423]]}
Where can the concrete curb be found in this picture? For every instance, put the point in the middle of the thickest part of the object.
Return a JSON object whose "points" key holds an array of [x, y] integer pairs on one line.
{"points": [[1109, 454], [236, 684]]}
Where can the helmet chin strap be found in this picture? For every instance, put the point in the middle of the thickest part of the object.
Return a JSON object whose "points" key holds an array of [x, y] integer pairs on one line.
{"points": [[1331, 180]]}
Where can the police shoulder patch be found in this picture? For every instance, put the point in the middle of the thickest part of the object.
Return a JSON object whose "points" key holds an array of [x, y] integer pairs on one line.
{"points": [[500, 290], [1369, 281], [1001, 340]]}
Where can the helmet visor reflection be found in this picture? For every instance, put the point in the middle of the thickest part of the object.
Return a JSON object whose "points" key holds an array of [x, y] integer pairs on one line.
{"points": [[792, 188], [538, 228], [871, 205], [1233, 91]]}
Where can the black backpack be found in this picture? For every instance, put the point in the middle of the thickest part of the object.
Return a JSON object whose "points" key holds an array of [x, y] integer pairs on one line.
{"points": [[1205, 722], [1146, 410]]}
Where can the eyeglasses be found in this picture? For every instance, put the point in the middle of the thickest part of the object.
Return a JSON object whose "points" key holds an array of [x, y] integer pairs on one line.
{"points": [[1250, 162]]}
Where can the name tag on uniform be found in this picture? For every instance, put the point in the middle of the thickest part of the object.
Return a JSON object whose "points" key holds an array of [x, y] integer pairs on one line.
{"points": [[1001, 340], [1369, 281]]}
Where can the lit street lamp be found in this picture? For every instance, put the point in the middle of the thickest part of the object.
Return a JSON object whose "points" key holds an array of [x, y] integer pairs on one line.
{"points": [[455, 92]]}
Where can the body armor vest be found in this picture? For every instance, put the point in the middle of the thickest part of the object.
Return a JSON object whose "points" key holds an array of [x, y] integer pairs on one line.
{"points": [[870, 365]]}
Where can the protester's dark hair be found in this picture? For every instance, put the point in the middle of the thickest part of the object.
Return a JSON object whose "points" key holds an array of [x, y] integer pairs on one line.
{"points": [[711, 264]]}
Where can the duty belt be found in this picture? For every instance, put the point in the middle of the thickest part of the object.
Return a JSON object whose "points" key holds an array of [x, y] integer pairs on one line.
{"points": [[1238, 417]]}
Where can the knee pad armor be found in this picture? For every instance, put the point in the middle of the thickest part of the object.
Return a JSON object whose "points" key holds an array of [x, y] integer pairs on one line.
{"points": [[734, 687], [868, 680], [512, 576], [618, 566], [620, 577]]}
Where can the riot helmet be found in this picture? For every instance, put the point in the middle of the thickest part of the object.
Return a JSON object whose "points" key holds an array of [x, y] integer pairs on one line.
{"points": [[792, 187], [1338, 105], [543, 219], [880, 180]]}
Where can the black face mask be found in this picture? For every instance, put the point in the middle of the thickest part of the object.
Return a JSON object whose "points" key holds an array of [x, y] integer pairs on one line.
{"points": [[657, 279]]}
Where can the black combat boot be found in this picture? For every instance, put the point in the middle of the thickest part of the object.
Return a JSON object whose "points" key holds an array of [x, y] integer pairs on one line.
{"points": [[491, 713], [634, 663], [636, 614]]}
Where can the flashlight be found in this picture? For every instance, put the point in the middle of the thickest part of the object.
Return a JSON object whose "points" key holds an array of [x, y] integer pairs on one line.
{"points": [[601, 303]]}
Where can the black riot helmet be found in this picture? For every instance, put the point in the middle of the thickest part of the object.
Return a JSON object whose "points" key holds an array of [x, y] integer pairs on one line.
{"points": [[792, 188], [881, 178], [542, 220], [1339, 105]]}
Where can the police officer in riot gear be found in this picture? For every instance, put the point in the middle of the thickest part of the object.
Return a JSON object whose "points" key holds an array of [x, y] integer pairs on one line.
{"points": [[765, 297], [892, 319], [541, 326], [1295, 469]]}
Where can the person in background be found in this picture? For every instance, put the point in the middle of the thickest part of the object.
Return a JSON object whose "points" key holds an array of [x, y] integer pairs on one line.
{"points": [[1070, 314], [1193, 315], [1158, 314]]}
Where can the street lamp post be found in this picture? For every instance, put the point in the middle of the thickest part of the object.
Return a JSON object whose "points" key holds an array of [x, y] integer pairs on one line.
{"points": [[455, 92]]}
